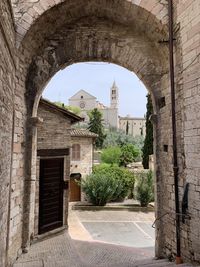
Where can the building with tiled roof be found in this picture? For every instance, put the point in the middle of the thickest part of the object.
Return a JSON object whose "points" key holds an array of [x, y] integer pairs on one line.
{"points": [[82, 141]]}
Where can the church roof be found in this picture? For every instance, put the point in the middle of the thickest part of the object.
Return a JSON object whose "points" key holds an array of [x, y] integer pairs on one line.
{"points": [[82, 92], [114, 85]]}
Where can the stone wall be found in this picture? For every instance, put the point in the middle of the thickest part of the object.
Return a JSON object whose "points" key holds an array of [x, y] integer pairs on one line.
{"points": [[136, 126], [110, 117], [52, 133], [96, 30], [7, 87], [188, 81], [84, 165], [27, 12]]}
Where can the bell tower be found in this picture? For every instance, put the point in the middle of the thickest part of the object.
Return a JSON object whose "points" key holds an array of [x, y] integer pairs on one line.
{"points": [[114, 96]]}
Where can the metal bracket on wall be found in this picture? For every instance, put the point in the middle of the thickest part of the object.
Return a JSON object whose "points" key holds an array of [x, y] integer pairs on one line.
{"points": [[165, 41], [185, 216]]}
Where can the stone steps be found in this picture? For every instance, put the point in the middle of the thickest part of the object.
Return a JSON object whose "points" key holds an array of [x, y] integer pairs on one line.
{"points": [[151, 263], [158, 263]]}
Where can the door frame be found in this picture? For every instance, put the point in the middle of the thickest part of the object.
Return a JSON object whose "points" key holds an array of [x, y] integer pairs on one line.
{"points": [[66, 173], [61, 200], [72, 176]]}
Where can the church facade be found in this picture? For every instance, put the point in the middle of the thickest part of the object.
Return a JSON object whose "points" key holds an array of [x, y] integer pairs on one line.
{"points": [[86, 102], [111, 119]]}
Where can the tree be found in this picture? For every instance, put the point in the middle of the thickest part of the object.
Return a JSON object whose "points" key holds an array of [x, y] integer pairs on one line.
{"points": [[145, 192], [111, 155], [116, 137], [148, 142], [128, 154], [96, 126], [127, 127]]}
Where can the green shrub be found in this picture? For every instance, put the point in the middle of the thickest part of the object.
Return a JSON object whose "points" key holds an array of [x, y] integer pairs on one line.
{"points": [[128, 154], [145, 188], [111, 155], [99, 188], [124, 179]]}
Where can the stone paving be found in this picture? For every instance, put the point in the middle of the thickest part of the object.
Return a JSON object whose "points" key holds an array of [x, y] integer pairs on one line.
{"points": [[62, 251], [76, 247], [132, 229]]}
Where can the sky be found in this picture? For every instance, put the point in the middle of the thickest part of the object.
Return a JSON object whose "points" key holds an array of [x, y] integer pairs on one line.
{"points": [[97, 78]]}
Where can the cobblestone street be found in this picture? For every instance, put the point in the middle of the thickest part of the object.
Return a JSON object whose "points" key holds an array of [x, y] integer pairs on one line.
{"points": [[95, 244], [62, 251]]}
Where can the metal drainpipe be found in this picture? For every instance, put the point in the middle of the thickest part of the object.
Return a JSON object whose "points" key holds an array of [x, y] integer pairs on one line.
{"points": [[10, 182], [173, 106]]}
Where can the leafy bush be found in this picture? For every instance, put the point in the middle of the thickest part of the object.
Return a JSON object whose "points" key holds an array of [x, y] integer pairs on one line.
{"points": [[128, 154], [99, 188], [111, 155], [123, 178], [145, 192], [119, 155]]}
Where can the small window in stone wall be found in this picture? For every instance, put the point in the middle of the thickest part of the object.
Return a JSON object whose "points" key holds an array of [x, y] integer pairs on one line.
{"points": [[76, 152]]}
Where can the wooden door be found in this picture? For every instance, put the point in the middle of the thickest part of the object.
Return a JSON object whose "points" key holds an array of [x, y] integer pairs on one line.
{"points": [[75, 189], [51, 194]]}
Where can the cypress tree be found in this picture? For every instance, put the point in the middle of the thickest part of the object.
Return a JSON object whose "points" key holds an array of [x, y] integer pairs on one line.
{"points": [[127, 127], [148, 142], [96, 126]]}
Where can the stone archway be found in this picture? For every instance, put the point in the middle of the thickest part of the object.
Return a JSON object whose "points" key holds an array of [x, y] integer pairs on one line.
{"points": [[97, 31], [26, 13], [29, 28]]}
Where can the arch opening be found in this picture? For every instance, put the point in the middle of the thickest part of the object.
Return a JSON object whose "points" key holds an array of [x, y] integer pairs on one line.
{"points": [[95, 36], [87, 69]]}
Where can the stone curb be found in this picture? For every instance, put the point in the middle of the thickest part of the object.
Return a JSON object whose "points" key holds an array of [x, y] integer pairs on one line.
{"points": [[130, 208]]}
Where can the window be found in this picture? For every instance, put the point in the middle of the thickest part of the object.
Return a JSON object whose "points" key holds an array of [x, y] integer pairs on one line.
{"points": [[82, 97], [76, 152]]}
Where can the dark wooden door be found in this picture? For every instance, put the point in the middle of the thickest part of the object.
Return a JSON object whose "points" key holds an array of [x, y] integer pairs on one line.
{"points": [[51, 194]]}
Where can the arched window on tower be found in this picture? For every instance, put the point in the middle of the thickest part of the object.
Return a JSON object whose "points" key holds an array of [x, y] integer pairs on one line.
{"points": [[76, 152]]}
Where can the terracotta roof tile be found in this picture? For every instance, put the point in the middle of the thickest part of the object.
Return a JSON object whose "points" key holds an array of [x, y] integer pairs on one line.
{"points": [[83, 133]]}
